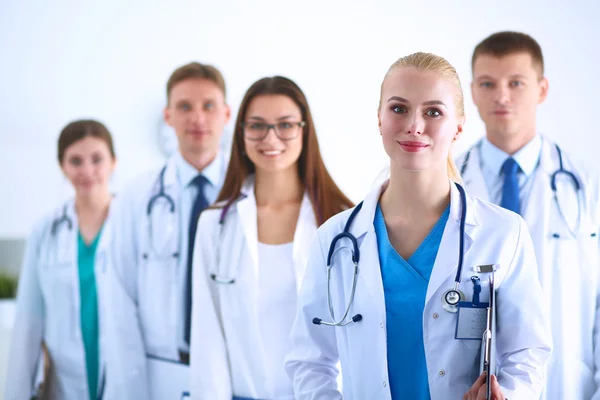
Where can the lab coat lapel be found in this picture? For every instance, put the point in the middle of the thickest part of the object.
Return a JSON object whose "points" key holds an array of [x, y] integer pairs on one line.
{"points": [[539, 205], [170, 177], [101, 266], [69, 239], [369, 268], [67, 248], [447, 259], [164, 224], [303, 237], [246, 209]]}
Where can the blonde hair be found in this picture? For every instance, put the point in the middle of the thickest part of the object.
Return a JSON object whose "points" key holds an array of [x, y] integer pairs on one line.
{"points": [[432, 63]]}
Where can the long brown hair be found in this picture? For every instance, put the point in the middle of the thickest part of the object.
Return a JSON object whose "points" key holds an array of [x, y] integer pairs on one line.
{"points": [[326, 198]]}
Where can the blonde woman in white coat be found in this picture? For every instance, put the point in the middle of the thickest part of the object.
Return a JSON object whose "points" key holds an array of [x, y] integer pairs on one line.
{"points": [[60, 285], [419, 237], [249, 262]]}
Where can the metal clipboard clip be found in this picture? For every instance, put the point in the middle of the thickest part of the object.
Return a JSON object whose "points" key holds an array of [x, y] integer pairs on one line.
{"points": [[488, 344]]}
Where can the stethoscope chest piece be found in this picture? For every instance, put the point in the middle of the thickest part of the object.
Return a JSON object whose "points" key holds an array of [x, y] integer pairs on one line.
{"points": [[451, 298]]}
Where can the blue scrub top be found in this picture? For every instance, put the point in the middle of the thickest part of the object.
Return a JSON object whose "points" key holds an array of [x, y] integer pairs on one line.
{"points": [[86, 255], [405, 288]]}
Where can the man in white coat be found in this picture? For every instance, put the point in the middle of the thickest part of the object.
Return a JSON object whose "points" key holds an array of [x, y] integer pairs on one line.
{"points": [[149, 284], [514, 166]]}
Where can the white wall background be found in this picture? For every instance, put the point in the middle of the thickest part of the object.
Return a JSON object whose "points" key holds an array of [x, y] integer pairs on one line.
{"points": [[63, 60]]}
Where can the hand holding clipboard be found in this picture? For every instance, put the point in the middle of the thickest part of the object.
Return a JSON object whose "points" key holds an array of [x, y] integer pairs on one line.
{"points": [[486, 387]]}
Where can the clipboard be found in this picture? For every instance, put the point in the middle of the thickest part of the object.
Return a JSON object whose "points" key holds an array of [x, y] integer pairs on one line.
{"points": [[168, 379], [488, 344]]}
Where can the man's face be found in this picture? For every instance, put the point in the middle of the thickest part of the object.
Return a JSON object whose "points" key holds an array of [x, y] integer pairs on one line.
{"points": [[198, 113], [507, 91]]}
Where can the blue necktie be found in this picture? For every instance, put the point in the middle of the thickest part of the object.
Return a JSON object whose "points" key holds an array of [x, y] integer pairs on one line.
{"points": [[200, 203], [510, 190]]}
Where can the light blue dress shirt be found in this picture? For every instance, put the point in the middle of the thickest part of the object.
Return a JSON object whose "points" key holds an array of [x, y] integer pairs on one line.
{"points": [[215, 174], [492, 159]]}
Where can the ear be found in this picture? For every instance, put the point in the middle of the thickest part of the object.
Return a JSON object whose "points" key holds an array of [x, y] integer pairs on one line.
{"points": [[167, 115], [459, 128], [544, 85], [227, 113], [473, 91], [379, 119]]}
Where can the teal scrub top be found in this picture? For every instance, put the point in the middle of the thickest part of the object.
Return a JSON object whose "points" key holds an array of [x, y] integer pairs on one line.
{"points": [[405, 288], [86, 254]]}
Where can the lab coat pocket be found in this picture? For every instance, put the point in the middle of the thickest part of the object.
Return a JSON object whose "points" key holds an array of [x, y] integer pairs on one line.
{"points": [[483, 297], [57, 283], [157, 295], [472, 344]]}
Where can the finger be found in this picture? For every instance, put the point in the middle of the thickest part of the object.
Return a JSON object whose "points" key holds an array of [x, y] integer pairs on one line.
{"points": [[481, 392], [496, 390], [472, 393], [480, 381]]}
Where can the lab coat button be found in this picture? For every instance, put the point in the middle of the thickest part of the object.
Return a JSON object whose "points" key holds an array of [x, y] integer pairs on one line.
{"points": [[384, 384], [442, 373], [381, 324], [435, 315]]}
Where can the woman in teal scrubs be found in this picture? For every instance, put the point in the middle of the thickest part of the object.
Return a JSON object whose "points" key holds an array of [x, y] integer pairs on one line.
{"points": [[60, 282], [415, 238]]}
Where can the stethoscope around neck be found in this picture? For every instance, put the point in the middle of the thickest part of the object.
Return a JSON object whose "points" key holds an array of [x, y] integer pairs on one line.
{"points": [[450, 298], [64, 219], [218, 278], [162, 194], [553, 178]]}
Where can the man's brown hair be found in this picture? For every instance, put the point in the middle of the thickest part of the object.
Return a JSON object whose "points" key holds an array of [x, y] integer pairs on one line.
{"points": [[502, 44], [195, 70]]}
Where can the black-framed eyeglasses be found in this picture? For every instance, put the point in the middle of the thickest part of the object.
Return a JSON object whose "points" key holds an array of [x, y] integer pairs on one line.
{"points": [[285, 130]]}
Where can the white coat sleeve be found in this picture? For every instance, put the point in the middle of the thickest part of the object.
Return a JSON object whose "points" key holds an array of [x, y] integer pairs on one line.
{"points": [[595, 190], [311, 362], [596, 339], [209, 367], [27, 335], [524, 341], [126, 370]]}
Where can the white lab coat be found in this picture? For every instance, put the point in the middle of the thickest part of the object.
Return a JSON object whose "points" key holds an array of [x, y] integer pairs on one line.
{"points": [[568, 270], [492, 236], [143, 288], [48, 309], [231, 250]]}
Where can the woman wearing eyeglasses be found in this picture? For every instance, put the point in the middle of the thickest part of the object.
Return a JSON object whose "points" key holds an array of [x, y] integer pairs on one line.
{"points": [[249, 258]]}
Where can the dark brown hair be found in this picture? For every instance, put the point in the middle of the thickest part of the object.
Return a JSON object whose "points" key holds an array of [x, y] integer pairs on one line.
{"points": [[501, 44], [80, 129], [195, 70], [326, 198]]}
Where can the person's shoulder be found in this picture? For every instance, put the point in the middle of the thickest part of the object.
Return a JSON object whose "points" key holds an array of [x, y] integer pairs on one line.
{"points": [[586, 173], [142, 181], [136, 189], [57, 217], [334, 225], [210, 217], [493, 217], [220, 213]]}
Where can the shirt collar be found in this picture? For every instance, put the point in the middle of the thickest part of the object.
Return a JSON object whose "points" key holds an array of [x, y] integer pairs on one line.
{"points": [[186, 172], [527, 157]]}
